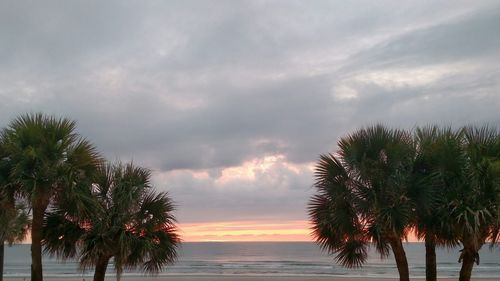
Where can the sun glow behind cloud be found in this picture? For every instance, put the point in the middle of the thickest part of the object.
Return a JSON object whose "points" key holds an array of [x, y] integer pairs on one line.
{"points": [[248, 170]]}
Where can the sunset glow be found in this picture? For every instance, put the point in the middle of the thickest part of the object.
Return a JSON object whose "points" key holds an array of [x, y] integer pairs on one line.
{"points": [[246, 231], [251, 231]]}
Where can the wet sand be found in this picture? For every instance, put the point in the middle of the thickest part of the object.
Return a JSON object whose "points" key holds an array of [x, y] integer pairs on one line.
{"points": [[235, 278]]}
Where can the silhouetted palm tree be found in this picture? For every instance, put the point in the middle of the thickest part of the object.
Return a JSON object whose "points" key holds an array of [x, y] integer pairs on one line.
{"points": [[461, 171], [49, 163], [362, 196], [435, 168], [14, 222], [474, 204], [134, 226], [14, 219]]}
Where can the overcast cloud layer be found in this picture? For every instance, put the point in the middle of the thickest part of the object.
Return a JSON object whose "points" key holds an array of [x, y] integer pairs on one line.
{"points": [[231, 102]]}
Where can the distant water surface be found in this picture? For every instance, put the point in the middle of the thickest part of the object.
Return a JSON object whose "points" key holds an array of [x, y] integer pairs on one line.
{"points": [[269, 258]]}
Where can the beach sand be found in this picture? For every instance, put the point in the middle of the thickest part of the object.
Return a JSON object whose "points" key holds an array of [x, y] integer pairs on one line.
{"points": [[234, 278]]}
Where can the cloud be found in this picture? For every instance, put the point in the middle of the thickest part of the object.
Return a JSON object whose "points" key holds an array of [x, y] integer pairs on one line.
{"points": [[267, 188], [197, 90]]}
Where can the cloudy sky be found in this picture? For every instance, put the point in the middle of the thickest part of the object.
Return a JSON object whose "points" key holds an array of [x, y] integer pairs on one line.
{"points": [[231, 102]]}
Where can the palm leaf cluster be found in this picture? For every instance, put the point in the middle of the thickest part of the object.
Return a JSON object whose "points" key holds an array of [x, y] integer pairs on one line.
{"points": [[362, 196], [14, 219], [440, 183], [80, 205], [135, 225], [14, 225]]}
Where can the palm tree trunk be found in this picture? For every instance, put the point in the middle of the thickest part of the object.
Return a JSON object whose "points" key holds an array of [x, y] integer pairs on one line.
{"points": [[401, 261], [430, 257], [36, 241], [100, 268], [468, 259], [2, 248], [470, 255]]}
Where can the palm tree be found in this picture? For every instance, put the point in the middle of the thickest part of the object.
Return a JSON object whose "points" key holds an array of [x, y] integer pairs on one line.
{"points": [[48, 163], [14, 222], [14, 219], [362, 197], [474, 205], [134, 225], [462, 172], [435, 168]]}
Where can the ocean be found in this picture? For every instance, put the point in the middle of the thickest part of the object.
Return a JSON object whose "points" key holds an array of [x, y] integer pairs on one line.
{"points": [[268, 258]]}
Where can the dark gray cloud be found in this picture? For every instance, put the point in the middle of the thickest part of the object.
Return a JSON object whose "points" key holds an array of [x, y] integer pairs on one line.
{"points": [[467, 37], [206, 86]]}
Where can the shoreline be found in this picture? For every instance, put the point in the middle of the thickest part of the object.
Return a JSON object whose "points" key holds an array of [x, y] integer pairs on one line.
{"points": [[236, 277]]}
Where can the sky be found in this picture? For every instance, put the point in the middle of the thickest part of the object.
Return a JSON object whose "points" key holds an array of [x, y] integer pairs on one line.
{"points": [[230, 103]]}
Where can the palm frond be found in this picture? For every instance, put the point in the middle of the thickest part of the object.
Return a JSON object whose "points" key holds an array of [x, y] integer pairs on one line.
{"points": [[362, 194], [136, 227]]}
